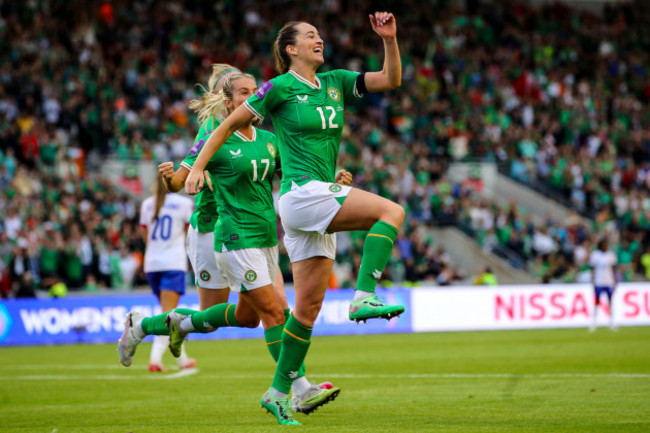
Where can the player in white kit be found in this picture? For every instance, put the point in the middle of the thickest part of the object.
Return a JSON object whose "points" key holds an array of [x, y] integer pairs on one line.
{"points": [[164, 219], [603, 266]]}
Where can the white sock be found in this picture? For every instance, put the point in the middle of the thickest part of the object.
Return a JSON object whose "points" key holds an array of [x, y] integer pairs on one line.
{"points": [[360, 294], [186, 325], [183, 358], [137, 328], [300, 386], [160, 343], [279, 394]]}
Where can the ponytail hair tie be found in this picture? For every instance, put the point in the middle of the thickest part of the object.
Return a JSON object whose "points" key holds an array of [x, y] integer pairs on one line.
{"points": [[231, 70]]}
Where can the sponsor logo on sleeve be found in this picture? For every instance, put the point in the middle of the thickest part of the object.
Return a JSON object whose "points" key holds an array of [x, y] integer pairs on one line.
{"points": [[262, 91], [197, 147]]}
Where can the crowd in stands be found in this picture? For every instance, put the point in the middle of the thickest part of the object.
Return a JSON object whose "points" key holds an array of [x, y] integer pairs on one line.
{"points": [[556, 95], [62, 226]]}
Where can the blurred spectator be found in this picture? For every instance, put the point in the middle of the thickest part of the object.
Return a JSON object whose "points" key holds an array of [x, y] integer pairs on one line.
{"points": [[486, 278]]}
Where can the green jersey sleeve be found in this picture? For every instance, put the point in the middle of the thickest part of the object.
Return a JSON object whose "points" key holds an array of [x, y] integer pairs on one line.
{"points": [[347, 82], [267, 98], [205, 130], [205, 215]]}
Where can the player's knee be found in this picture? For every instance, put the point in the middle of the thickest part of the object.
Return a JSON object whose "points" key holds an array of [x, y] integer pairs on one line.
{"points": [[400, 214], [394, 215], [273, 317], [308, 312], [247, 319], [249, 322]]}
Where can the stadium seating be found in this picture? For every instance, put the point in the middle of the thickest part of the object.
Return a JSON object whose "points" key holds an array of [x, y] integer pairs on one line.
{"points": [[557, 97]]}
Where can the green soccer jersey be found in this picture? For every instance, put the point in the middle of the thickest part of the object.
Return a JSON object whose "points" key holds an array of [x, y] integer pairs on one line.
{"points": [[242, 171], [308, 119], [205, 215]]}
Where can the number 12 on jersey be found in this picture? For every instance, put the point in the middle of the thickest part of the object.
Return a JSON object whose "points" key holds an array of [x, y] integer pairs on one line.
{"points": [[332, 114]]}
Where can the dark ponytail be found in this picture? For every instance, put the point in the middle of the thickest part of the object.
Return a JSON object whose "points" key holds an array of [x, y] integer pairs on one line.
{"points": [[286, 37]]}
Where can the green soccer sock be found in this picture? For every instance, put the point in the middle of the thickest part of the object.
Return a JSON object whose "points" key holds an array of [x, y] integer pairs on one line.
{"points": [[217, 316], [376, 252], [273, 338], [295, 343], [156, 325]]}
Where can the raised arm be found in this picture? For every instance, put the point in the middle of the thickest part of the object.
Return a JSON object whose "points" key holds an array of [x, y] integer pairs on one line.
{"points": [[237, 119], [390, 77]]}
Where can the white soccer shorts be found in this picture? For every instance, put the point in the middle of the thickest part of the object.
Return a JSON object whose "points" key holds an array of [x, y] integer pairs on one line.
{"points": [[200, 250], [306, 212], [248, 268]]}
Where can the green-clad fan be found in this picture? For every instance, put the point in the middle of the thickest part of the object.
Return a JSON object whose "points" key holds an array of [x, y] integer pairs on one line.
{"points": [[306, 108], [245, 238]]}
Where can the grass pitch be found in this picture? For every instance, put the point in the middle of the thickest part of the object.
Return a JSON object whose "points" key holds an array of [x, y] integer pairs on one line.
{"points": [[517, 381]]}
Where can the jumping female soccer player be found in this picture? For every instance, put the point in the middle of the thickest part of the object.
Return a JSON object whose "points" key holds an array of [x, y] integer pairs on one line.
{"points": [[306, 108]]}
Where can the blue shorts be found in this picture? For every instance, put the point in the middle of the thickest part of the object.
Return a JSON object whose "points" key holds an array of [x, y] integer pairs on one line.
{"points": [[603, 289], [173, 281]]}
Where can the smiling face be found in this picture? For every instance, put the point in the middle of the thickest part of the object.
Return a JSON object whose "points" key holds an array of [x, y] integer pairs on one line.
{"points": [[309, 46], [241, 89]]}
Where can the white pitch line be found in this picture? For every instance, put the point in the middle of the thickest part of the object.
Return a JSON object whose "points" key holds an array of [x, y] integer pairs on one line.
{"points": [[182, 373], [192, 371], [63, 367], [484, 376]]}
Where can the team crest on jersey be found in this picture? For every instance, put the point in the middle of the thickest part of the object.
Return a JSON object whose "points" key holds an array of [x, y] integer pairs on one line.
{"points": [[250, 276], [335, 188], [205, 275], [334, 94], [271, 149], [236, 154]]}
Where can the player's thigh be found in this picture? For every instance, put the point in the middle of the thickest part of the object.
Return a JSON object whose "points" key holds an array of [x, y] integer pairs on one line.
{"points": [[362, 209], [310, 278], [172, 286], [264, 301], [212, 297], [272, 255], [245, 313], [279, 289], [169, 299]]}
